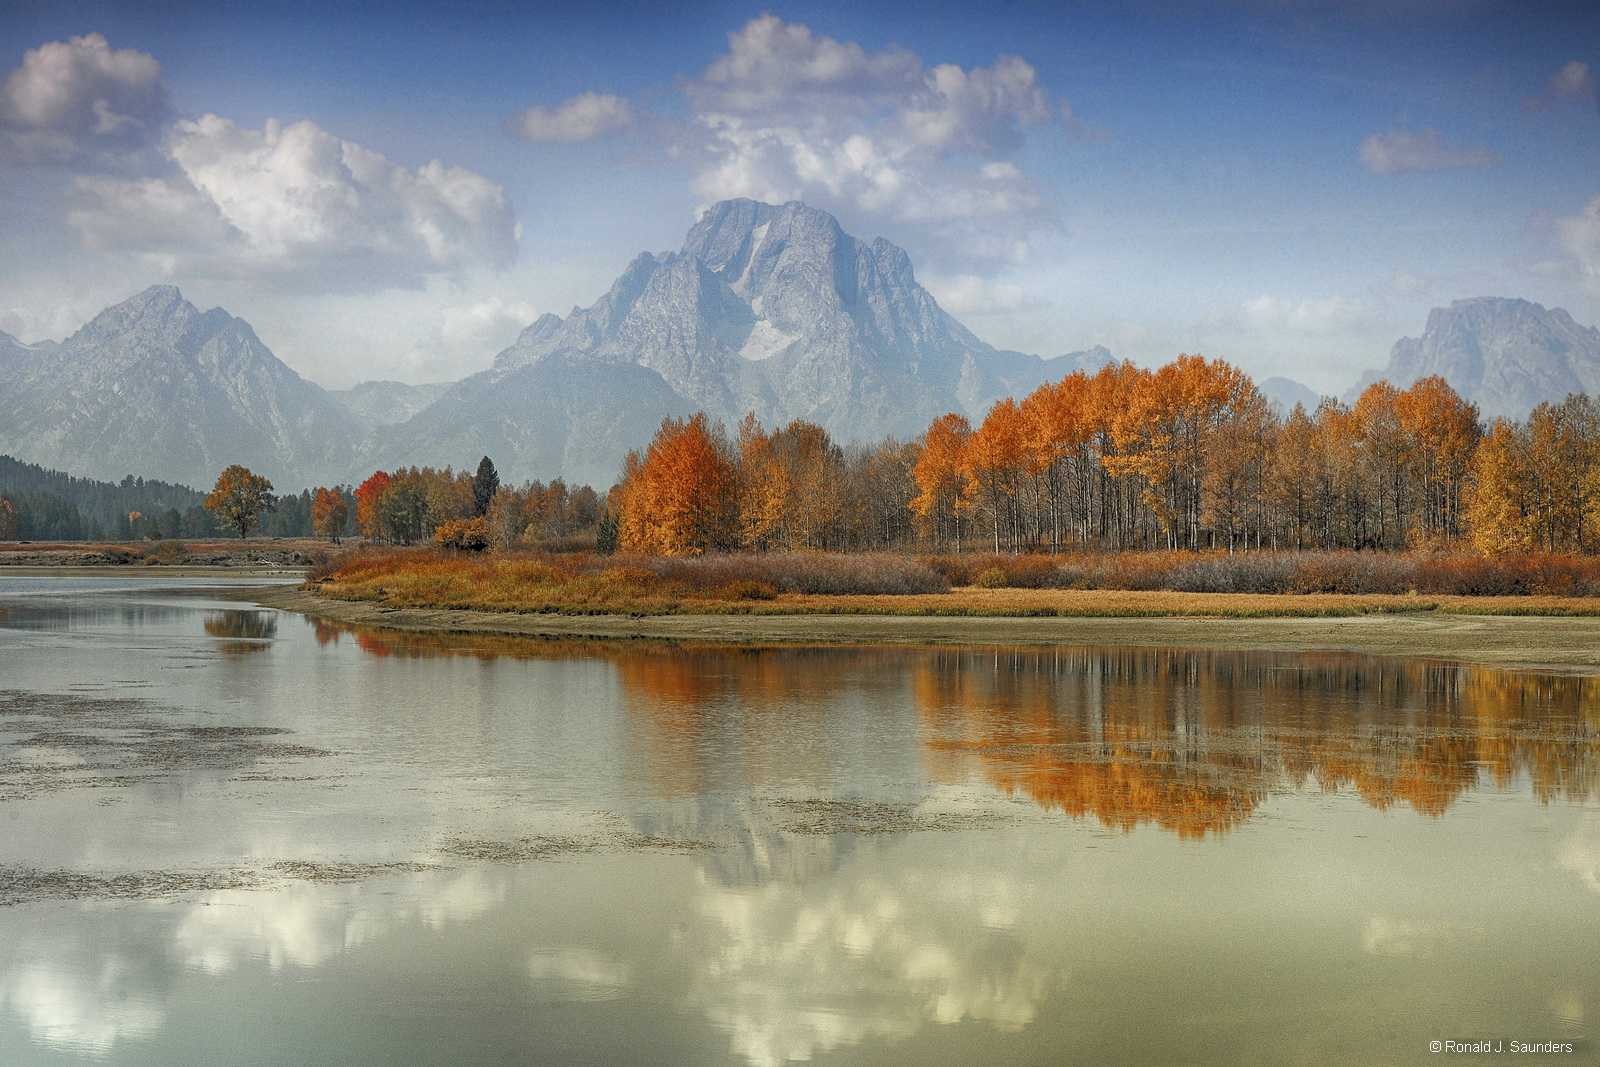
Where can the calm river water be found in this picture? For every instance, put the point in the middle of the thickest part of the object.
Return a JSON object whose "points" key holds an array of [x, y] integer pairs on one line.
{"points": [[237, 837]]}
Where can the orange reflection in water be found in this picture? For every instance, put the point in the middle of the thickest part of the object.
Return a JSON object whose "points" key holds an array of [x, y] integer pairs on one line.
{"points": [[243, 632], [1195, 741], [1192, 741]]}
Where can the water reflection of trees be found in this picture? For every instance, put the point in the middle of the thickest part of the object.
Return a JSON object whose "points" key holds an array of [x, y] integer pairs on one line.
{"points": [[243, 631], [1193, 741]]}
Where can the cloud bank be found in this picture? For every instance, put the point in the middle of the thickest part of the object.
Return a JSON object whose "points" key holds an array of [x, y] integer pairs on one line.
{"points": [[80, 102], [786, 114], [290, 205]]}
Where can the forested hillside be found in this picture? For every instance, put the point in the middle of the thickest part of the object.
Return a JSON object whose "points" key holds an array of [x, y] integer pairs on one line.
{"points": [[47, 505], [54, 506]]}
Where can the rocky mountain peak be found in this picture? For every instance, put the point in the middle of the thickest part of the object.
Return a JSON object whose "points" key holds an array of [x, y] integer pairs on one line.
{"points": [[159, 311], [154, 385], [1507, 355]]}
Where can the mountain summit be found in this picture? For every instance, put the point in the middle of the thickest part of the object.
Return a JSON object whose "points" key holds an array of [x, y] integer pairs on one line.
{"points": [[1505, 355], [767, 309], [156, 386]]}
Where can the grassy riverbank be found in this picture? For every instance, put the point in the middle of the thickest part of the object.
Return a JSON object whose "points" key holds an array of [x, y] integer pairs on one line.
{"points": [[881, 584], [1512, 641], [169, 557], [734, 599]]}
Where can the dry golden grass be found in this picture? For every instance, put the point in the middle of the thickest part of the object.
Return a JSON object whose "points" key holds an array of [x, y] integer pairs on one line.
{"points": [[1099, 603], [584, 585]]}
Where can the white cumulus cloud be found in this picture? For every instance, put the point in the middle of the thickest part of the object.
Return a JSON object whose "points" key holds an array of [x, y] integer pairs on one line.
{"points": [[290, 205], [582, 118], [788, 114], [1275, 315], [1400, 151], [79, 101], [1579, 239], [296, 201], [1574, 81]]}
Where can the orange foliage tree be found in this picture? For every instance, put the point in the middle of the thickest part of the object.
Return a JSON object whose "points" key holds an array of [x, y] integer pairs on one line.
{"points": [[680, 497], [329, 512], [369, 495], [240, 498], [938, 472], [994, 466]]}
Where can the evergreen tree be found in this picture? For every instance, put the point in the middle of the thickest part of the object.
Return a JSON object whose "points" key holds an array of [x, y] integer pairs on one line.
{"points": [[484, 483]]}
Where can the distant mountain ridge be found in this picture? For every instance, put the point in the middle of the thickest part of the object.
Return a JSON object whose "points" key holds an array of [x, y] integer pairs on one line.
{"points": [[767, 308], [771, 309], [156, 386]]}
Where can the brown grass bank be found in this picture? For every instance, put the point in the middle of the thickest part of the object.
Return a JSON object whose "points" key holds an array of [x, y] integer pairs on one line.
{"points": [[574, 598]]}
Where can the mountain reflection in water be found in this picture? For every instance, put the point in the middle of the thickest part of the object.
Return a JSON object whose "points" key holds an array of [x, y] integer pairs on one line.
{"points": [[1192, 741]]}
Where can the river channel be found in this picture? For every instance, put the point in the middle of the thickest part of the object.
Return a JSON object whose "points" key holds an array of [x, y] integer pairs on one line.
{"points": [[232, 835]]}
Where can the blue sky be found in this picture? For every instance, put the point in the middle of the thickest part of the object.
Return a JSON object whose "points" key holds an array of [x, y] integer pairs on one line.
{"points": [[394, 190]]}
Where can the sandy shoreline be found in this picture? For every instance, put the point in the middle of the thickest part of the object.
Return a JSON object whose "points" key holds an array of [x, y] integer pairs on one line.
{"points": [[1534, 642]]}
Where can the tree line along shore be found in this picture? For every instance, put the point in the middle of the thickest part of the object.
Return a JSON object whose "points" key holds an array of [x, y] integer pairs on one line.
{"points": [[1178, 479], [1189, 456]]}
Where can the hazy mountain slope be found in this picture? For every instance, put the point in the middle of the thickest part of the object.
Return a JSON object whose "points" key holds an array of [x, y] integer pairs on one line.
{"points": [[564, 416], [1286, 393], [154, 386], [386, 403], [1505, 355]]}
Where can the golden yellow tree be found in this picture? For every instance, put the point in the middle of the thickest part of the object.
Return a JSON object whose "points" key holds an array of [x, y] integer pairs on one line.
{"points": [[1059, 429], [1165, 434], [1441, 433], [1384, 451], [1296, 481], [1563, 441], [939, 478], [1500, 510], [240, 499]]}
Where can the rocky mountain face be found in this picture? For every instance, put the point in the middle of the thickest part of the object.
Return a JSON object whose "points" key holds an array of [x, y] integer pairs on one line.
{"points": [[1286, 393], [770, 309], [386, 403], [1507, 356], [156, 387], [767, 309]]}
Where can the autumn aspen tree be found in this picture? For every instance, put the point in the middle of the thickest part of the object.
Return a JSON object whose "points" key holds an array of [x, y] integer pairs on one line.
{"points": [[240, 498], [329, 512]]}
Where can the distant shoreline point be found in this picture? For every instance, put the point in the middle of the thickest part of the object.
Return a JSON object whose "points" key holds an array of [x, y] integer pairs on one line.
{"points": [[1512, 642]]}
